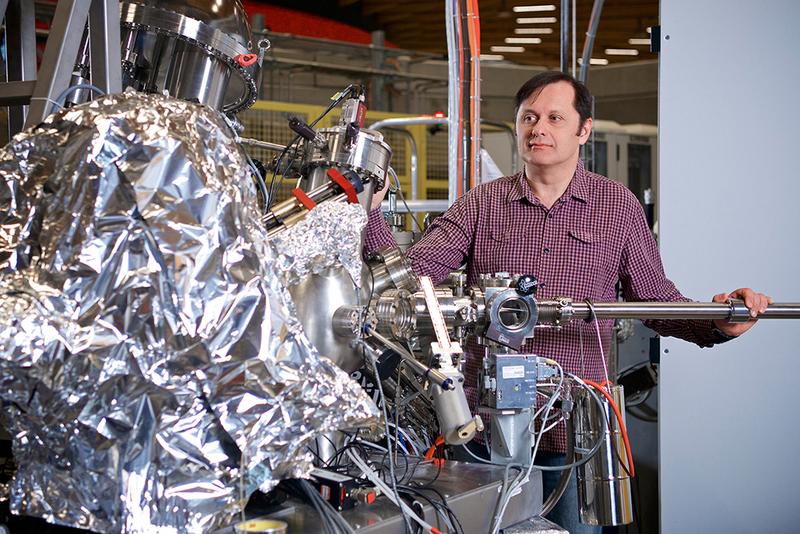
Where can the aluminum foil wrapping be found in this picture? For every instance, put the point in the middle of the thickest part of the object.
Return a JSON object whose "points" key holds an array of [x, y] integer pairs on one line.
{"points": [[151, 368], [329, 235]]}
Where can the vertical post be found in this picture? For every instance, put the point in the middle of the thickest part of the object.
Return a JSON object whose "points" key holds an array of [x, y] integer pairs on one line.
{"points": [[59, 57], [378, 93], [20, 52], [564, 64], [104, 36]]}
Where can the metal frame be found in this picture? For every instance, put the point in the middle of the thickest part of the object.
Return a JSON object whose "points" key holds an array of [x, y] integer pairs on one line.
{"points": [[30, 95]]}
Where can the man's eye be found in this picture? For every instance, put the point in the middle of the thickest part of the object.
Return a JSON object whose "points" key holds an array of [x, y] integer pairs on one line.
{"points": [[530, 118], [556, 118]]}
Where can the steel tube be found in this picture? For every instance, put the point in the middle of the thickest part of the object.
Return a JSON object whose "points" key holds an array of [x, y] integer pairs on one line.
{"points": [[564, 56], [418, 206], [415, 365], [412, 143], [407, 121], [594, 21], [682, 310], [261, 144]]}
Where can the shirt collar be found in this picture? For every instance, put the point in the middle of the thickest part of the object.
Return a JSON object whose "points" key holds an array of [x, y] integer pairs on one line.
{"points": [[578, 187]]}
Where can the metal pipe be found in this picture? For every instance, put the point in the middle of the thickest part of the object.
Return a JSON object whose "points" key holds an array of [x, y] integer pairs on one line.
{"points": [[407, 121], [564, 36], [418, 206], [454, 116], [594, 21], [413, 156], [510, 131], [446, 383], [473, 96], [343, 67], [735, 311], [261, 144]]}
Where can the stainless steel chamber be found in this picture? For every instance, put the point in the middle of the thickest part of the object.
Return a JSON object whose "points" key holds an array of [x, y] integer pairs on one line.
{"points": [[200, 50]]}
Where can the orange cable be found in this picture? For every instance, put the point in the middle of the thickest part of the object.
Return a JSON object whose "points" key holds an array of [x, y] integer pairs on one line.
{"points": [[618, 414]]}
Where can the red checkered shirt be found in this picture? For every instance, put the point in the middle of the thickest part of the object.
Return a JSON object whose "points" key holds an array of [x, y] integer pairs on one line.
{"points": [[593, 236]]}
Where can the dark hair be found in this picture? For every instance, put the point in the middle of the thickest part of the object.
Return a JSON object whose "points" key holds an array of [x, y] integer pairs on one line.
{"points": [[583, 98]]}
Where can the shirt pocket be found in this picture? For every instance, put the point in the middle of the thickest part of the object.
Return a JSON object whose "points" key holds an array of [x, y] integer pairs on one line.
{"points": [[500, 250], [583, 251]]}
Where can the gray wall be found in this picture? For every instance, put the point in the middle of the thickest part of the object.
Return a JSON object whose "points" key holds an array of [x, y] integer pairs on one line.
{"points": [[730, 429]]}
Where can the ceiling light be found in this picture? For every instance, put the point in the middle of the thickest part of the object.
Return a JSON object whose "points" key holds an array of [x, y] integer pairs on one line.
{"points": [[622, 52], [594, 61], [534, 31], [649, 30], [533, 9], [537, 20], [523, 40], [638, 42], [491, 57], [512, 49]]}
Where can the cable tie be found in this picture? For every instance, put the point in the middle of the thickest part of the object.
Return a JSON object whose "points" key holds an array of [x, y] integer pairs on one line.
{"points": [[592, 314]]}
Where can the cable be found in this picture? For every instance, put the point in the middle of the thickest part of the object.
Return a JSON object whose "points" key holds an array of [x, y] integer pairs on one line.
{"points": [[624, 431], [374, 363], [59, 101], [392, 496], [399, 191]]}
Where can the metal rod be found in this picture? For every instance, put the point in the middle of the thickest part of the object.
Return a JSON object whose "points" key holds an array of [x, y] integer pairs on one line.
{"points": [[415, 365], [454, 111], [594, 22], [734, 311], [261, 144], [407, 121], [418, 206], [564, 64]]}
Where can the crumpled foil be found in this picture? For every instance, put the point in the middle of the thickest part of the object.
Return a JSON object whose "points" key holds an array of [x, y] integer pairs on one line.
{"points": [[151, 368], [320, 241]]}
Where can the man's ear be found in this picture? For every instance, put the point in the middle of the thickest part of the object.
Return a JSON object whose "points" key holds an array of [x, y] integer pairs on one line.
{"points": [[585, 130]]}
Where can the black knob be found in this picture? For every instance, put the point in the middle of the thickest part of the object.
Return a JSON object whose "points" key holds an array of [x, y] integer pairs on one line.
{"points": [[527, 285]]}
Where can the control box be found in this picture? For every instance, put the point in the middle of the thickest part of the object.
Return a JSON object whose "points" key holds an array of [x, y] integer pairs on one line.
{"points": [[509, 381]]}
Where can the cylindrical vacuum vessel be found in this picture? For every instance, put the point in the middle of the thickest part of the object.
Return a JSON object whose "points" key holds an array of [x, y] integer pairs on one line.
{"points": [[604, 483]]}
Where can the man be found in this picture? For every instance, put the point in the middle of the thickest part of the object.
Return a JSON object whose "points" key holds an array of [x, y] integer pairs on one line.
{"points": [[578, 232]]}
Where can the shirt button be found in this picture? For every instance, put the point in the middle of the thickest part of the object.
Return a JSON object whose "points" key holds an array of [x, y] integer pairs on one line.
{"points": [[546, 250], [549, 215], [542, 285]]}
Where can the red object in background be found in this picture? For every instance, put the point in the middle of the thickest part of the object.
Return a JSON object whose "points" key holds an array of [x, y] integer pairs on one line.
{"points": [[284, 20]]}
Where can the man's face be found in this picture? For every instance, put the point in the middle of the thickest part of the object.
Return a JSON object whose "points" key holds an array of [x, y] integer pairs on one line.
{"points": [[549, 132]]}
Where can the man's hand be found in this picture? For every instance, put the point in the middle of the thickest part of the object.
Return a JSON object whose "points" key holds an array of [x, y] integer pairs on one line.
{"points": [[377, 196], [756, 302]]}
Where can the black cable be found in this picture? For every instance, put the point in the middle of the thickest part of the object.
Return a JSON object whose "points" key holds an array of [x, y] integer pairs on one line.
{"points": [[275, 172]]}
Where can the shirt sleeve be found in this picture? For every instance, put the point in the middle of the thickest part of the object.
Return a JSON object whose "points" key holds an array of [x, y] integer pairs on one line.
{"points": [[377, 233], [448, 240], [643, 279], [443, 246]]}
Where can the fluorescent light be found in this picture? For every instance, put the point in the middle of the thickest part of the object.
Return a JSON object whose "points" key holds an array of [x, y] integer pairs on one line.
{"points": [[535, 31], [537, 20], [512, 49], [533, 9], [594, 61], [639, 42], [491, 57], [523, 40], [622, 52]]}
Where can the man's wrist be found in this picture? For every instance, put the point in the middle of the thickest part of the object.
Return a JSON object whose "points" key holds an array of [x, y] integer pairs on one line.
{"points": [[720, 336]]}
